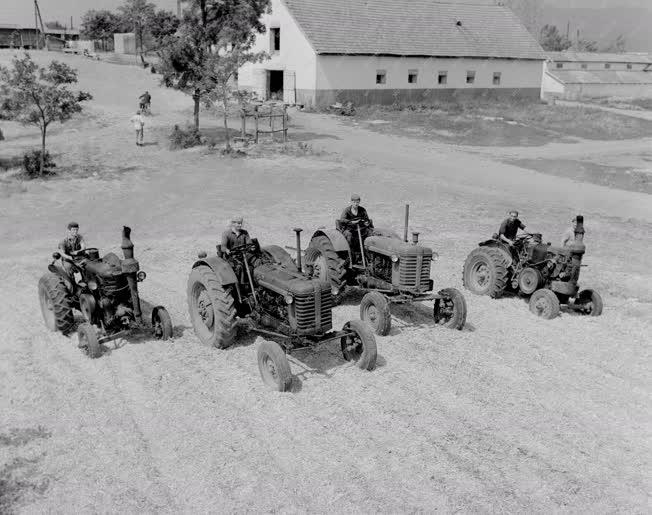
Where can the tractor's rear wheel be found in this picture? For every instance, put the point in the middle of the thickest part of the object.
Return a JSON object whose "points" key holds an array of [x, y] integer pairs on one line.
{"points": [[326, 264], [450, 309], [274, 366], [485, 272], [359, 345], [545, 304], [212, 308], [374, 309], [87, 336], [55, 304], [161, 323], [589, 302]]}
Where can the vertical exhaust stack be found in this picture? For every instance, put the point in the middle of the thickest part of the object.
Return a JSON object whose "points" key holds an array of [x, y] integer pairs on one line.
{"points": [[577, 249], [130, 268], [298, 230], [407, 219], [415, 237]]}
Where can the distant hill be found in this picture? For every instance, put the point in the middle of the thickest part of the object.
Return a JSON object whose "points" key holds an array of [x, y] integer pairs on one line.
{"points": [[604, 24]]}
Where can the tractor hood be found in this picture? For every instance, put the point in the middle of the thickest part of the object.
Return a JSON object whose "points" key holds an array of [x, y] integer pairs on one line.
{"points": [[107, 267], [393, 247], [284, 281]]}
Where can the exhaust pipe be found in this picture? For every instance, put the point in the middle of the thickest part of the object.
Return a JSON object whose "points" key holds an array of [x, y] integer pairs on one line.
{"points": [[579, 229], [415, 237], [407, 218], [298, 230], [130, 268]]}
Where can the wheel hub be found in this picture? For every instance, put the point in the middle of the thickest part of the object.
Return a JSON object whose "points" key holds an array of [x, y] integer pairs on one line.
{"points": [[481, 274], [205, 309]]}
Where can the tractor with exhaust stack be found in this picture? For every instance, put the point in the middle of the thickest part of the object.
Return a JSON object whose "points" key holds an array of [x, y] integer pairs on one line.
{"points": [[264, 290], [548, 275], [389, 269], [104, 290]]}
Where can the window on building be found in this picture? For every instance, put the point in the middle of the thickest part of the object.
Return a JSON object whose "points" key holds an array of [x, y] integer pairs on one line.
{"points": [[470, 77], [629, 66], [584, 66], [497, 76], [442, 78], [275, 39], [607, 66], [560, 65], [412, 76], [381, 77]]}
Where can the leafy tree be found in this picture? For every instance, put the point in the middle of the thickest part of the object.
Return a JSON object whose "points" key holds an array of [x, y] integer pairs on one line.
{"points": [[101, 25], [137, 15], [585, 45], [214, 35], [35, 95], [552, 40], [618, 45], [55, 25], [162, 25]]}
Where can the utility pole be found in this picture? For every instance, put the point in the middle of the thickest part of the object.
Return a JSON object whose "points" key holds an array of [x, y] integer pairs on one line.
{"points": [[179, 9], [37, 14]]}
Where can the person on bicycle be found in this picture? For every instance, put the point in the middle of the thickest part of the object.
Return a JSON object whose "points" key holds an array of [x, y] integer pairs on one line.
{"points": [[145, 101], [352, 214], [509, 228]]}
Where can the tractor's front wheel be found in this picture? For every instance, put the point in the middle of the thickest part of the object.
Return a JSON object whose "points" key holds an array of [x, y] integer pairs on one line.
{"points": [[161, 323], [87, 336], [212, 308], [450, 309], [326, 264], [359, 345], [274, 366], [589, 302], [55, 304], [545, 304], [374, 309], [485, 272]]}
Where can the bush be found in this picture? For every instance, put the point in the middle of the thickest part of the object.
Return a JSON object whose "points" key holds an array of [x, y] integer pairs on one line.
{"points": [[32, 163], [185, 138]]}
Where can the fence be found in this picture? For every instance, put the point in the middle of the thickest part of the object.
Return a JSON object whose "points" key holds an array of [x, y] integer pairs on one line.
{"points": [[262, 112]]}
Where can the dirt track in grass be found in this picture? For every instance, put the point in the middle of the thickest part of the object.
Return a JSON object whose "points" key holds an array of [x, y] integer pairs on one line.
{"points": [[512, 414]]}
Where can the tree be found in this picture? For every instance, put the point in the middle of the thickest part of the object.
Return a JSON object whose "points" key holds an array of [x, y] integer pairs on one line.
{"points": [[551, 39], [162, 25], [618, 45], [211, 29], [585, 45], [55, 25], [137, 14], [35, 95], [101, 25]]}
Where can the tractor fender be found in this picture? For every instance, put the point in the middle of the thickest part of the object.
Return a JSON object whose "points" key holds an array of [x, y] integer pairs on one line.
{"points": [[502, 247], [220, 268], [64, 275], [336, 238], [280, 256]]}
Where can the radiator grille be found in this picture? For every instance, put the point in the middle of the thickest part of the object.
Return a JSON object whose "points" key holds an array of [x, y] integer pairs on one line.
{"points": [[313, 314], [414, 271]]}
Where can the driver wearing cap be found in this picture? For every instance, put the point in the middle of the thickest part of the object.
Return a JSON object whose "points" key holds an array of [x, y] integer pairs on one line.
{"points": [[356, 212], [235, 235]]}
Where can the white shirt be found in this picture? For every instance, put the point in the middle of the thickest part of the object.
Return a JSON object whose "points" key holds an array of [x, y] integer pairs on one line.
{"points": [[138, 121]]}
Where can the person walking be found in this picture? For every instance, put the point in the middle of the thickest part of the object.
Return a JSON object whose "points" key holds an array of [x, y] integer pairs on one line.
{"points": [[139, 124]]}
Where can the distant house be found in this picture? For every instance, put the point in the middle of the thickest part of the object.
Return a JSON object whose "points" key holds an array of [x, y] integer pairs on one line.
{"points": [[15, 36], [576, 75], [386, 51]]}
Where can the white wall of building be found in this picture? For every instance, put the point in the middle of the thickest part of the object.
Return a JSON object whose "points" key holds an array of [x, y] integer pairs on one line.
{"points": [[578, 91], [296, 54], [551, 86]]}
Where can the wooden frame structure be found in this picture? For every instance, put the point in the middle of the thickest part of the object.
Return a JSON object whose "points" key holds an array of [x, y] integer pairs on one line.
{"points": [[271, 112]]}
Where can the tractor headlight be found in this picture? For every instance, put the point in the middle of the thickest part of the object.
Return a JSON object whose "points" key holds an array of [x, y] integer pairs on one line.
{"points": [[334, 291], [92, 285], [289, 299], [141, 276], [394, 259], [435, 256]]}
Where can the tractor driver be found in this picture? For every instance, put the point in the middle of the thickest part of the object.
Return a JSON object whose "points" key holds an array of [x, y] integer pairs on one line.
{"points": [[71, 244], [234, 236], [509, 228], [356, 212]]}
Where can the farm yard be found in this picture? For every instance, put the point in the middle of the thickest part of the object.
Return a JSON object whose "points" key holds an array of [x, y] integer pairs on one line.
{"points": [[512, 414]]}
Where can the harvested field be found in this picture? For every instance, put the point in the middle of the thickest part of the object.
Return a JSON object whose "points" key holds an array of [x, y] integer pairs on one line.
{"points": [[513, 414]]}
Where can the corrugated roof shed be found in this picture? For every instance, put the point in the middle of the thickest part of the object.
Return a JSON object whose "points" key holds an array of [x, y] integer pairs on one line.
{"points": [[601, 77], [413, 28], [598, 57]]}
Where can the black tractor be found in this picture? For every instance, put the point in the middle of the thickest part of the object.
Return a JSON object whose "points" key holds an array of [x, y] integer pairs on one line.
{"points": [[104, 290], [548, 275], [388, 268], [263, 290]]}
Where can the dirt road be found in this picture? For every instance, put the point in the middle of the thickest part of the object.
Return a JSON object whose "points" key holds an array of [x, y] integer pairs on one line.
{"points": [[512, 414]]}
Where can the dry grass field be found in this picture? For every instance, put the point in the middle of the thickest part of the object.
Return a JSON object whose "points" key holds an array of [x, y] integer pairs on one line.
{"points": [[513, 414]]}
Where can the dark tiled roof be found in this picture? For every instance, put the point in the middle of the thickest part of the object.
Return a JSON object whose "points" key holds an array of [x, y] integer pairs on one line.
{"points": [[413, 28], [601, 77]]}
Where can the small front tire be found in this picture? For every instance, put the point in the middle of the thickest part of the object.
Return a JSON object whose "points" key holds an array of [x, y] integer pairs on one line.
{"points": [[450, 309], [87, 336], [590, 303], [359, 345], [274, 366], [374, 309], [161, 323], [545, 304]]}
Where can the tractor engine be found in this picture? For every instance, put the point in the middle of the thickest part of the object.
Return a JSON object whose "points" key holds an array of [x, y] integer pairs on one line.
{"points": [[398, 264], [300, 304]]}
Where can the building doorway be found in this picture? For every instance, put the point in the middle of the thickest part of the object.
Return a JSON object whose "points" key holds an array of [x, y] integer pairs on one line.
{"points": [[275, 85]]}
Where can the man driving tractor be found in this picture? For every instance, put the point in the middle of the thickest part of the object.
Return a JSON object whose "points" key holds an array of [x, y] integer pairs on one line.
{"points": [[234, 236], [509, 228], [354, 215], [71, 244]]}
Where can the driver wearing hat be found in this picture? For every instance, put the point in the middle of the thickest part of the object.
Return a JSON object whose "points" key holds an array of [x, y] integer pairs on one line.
{"points": [[235, 235]]}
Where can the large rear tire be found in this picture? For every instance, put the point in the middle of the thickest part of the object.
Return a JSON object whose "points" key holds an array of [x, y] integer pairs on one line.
{"points": [[450, 309], [212, 308], [485, 272], [274, 366], [87, 336], [545, 304], [590, 303], [55, 303], [374, 309], [327, 265], [360, 345]]}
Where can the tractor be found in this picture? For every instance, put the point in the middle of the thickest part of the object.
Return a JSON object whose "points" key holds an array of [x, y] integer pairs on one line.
{"points": [[389, 269], [104, 290], [264, 290], [548, 275]]}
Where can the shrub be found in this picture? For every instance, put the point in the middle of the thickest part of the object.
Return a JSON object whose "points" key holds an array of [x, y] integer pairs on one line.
{"points": [[32, 163], [185, 138]]}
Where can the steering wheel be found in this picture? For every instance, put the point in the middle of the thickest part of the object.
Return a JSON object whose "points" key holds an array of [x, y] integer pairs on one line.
{"points": [[246, 247], [84, 251]]}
